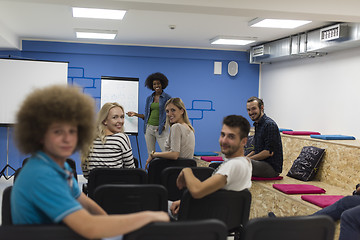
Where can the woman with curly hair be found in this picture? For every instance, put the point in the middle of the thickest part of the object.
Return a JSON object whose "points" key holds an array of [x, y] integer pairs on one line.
{"points": [[111, 147], [181, 140], [52, 124], [154, 118]]}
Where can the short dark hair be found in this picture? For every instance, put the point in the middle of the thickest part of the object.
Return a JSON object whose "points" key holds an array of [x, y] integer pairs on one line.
{"points": [[156, 76], [52, 104], [239, 122], [258, 100]]}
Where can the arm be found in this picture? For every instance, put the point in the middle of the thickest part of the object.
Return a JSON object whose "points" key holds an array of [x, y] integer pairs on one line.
{"points": [[131, 114], [91, 206], [100, 226], [197, 188], [168, 155], [261, 155]]}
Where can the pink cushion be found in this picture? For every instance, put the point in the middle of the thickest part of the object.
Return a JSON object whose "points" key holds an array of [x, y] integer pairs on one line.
{"points": [[321, 200], [210, 159], [298, 188], [300, 133], [266, 179]]}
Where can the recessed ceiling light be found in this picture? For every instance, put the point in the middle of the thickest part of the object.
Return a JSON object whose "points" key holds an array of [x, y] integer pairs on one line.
{"points": [[98, 13], [96, 34], [277, 23], [223, 40]]}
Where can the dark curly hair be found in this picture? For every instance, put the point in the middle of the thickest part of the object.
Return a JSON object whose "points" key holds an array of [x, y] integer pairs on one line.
{"points": [[52, 104], [239, 122], [156, 76]]}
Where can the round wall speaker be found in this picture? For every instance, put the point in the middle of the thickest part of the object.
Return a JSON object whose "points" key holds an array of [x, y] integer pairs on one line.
{"points": [[232, 68]]}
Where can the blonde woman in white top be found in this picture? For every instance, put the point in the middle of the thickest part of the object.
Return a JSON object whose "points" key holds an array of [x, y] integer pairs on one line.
{"points": [[181, 140]]}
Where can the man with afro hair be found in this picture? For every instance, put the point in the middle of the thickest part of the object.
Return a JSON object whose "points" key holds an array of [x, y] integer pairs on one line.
{"points": [[52, 124]]}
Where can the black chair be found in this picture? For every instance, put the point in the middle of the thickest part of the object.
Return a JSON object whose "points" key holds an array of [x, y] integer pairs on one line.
{"points": [[31, 232], [101, 176], [5, 208], [231, 207], [294, 228], [210, 229], [38, 232], [158, 164], [170, 174], [130, 198]]}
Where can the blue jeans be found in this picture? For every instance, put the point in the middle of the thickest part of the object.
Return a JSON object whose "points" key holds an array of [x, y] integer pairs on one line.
{"points": [[347, 210], [335, 210]]}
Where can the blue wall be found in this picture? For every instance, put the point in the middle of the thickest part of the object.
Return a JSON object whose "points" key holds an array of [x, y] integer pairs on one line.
{"points": [[207, 97]]}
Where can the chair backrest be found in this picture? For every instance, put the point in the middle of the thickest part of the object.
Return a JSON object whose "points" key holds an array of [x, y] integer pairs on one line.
{"points": [[170, 174], [5, 208], [211, 229], [101, 176], [130, 198], [38, 232], [319, 227], [231, 207], [158, 164]]}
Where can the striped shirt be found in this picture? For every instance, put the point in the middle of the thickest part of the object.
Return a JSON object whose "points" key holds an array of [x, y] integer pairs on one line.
{"points": [[115, 153]]}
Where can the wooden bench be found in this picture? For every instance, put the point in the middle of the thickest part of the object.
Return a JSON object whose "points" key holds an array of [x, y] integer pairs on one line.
{"points": [[338, 175]]}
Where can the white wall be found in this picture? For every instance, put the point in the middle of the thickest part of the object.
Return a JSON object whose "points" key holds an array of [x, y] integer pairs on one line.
{"points": [[320, 94]]}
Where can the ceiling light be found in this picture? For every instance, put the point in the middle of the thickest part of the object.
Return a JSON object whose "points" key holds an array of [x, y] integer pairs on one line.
{"points": [[232, 40], [98, 13], [277, 23], [96, 34]]}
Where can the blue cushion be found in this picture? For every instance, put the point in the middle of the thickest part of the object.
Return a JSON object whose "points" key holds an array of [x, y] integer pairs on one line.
{"points": [[333, 137], [284, 129], [205, 154]]}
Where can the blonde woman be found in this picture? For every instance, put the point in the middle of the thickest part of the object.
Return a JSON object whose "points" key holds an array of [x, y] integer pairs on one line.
{"points": [[111, 147], [181, 140]]}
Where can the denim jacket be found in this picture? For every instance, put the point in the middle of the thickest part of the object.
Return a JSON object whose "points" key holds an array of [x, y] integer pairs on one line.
{"points": [[162, 114]]}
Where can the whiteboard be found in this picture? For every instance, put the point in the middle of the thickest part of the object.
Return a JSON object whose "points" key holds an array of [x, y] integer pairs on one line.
{"points": [[124, 91], [20, 77]]}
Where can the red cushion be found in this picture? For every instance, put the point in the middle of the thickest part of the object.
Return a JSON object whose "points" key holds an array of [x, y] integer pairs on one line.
{"points": [[300, 133], [210, 159], [321, 200], [266, 179], [298, 188]]}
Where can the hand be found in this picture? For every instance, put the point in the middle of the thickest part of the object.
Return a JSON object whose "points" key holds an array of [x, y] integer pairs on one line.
{"points": [[175, 206], [180, 181], [148, 161], [131, 114]]}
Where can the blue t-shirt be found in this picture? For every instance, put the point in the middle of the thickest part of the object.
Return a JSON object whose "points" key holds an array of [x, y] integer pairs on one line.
{"points": [[44, 192]]}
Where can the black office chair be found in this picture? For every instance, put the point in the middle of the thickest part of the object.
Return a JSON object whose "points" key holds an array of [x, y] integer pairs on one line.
{"points": [[170, 174], [30, 232], [38, 232], [231, 207], [130, 198], [101, 176], [211, 229], [319, 227], [5, 208], [158, 164]]}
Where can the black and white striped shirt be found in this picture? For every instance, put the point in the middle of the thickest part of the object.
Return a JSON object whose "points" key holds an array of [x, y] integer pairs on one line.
{"points": [[115, 153]]}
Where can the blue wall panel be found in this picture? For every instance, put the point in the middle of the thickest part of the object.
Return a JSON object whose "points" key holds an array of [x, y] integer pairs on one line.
{"points": [[191, 77]]}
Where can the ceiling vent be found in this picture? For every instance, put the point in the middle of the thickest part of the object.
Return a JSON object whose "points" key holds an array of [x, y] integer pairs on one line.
{"points": [[314, 43]]}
